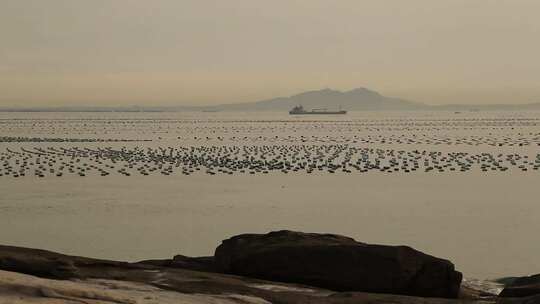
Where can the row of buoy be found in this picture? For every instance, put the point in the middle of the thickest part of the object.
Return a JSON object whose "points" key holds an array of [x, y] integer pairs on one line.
{"points": [[22, 139], [253, 159], [531, 139], [72, 127]]}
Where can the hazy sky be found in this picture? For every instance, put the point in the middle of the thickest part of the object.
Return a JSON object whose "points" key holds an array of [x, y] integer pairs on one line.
{"points": [[123, 52]]}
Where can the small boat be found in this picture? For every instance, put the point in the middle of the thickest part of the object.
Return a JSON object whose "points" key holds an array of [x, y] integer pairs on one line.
{"points": [[299, 110]]}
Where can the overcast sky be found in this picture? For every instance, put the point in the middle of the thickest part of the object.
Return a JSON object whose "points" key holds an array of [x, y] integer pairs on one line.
{"points": [[125, 52]]}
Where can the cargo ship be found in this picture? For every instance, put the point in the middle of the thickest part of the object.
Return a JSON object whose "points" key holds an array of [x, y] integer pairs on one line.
{"points": [[299, 110]]}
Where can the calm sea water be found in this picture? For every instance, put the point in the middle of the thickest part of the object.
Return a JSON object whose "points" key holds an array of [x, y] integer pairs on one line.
{"points": [[481, 216]]}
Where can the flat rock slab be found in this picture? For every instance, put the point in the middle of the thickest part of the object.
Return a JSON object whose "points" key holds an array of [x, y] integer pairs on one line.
{"points": [[16, 288]]}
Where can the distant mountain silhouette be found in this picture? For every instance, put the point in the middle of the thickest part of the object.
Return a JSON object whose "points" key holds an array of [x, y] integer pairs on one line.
{"points": [[353, 100], [360, 99]]}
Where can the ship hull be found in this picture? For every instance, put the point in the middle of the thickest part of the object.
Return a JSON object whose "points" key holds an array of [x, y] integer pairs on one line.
{"points": [[318, 113]]}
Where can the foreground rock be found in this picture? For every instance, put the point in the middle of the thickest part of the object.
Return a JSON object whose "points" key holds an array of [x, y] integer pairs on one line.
{"points": [[46, 264], [92, 281], [523, 287], [16, 288], [338, 263]]}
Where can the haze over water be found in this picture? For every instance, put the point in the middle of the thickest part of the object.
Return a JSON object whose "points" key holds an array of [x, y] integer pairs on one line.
{"points": [[462, 186]]}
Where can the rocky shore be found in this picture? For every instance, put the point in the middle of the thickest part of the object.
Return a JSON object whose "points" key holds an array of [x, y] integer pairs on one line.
{"points": [[281, 267]]}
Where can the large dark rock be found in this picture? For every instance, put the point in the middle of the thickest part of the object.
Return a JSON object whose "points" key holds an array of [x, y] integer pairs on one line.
{"points": [[522, 287], [338, 263]]}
